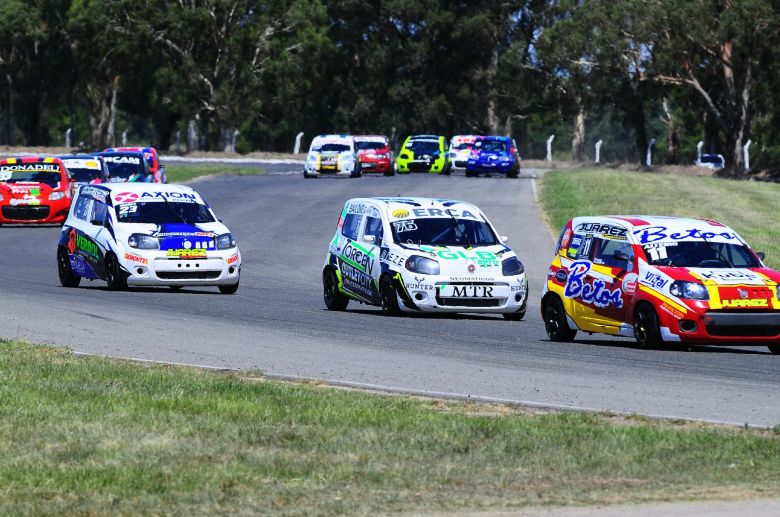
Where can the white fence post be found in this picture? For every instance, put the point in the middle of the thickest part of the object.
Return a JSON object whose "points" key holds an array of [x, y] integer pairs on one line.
{"points": [[650, 147], [124, 138], [746, 152], [549, 147], [698, 151], [297, 148], [598, 150], [67, 137]]}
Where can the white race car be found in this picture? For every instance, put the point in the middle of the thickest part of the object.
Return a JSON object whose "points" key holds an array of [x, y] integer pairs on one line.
{"points": [[144, 235], [460, 150], [332, 154], [423, 255]]}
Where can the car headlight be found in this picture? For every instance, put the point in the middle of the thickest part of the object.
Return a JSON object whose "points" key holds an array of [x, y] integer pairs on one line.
{"points": [[226, 241], [426, 266], [512, 266], [54, 196], [689, 290], [143, 242]]}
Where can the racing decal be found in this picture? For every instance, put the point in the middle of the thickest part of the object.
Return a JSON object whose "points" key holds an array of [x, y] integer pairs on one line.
{"points": [[438, 212], [727, 276], [594, 293], [126, 197], [603, 230], [654, 280], [363, 208], [482, 258], [184, 240], [629, 283], [356, 266], [467, 291], [96, 193], [662, 233], [25, 167], [756, 302], [80, 267], [232, 259], [135, 258], [197, 253], [671, 311], [387, 256], [404, 226], [401, 213], [122, 159]]}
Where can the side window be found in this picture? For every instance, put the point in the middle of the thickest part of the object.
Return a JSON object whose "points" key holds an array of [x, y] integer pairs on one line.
{"points": [[374, 227], [351, 226], [83, 208], [604, 252], [99, 212]]}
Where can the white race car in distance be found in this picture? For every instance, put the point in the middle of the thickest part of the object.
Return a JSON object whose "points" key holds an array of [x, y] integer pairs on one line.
{"points": [[332, 155], [146, 234], [422, 255]]}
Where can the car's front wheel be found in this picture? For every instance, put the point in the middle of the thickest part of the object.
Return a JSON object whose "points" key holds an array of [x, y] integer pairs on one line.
{"points": [[388, 296], [114, 278], [334, 300], [228, 289], [514, 316], [775, 349], [646, 330], [555, 322], [67, 278]]}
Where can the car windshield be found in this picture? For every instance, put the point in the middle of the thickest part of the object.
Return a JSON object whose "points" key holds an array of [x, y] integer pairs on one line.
{"points": [[333, 148], [443, 231], [491, 146], [50, 178], [156, 212], [464, 146], [124, 167], [700, 254], [84, 175], [370, 145], [423, 146]]}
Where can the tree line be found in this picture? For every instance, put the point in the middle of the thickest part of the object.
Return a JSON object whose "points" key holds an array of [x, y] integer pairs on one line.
{"points": [[212, 73]]}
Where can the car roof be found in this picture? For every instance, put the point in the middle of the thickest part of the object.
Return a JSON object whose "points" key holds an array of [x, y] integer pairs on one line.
{"points": [[414, 137], [370, 138], [79, 156], [418, 202], [146, 187], [120, 153], [492, 137]]}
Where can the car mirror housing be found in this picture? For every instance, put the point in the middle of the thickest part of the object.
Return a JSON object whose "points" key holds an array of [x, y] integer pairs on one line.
{"points": [[761, 255], [370, 239], [503, 238]]}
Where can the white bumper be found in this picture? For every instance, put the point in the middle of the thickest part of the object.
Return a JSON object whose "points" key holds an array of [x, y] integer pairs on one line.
{"points": [[431, 293], [153, 267]]}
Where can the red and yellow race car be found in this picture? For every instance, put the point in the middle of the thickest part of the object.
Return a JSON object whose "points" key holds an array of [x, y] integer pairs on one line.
{"points": [[33, 190], [662, 280]]}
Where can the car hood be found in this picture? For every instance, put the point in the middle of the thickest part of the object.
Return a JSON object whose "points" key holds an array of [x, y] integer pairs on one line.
{"points": [[492, 156], [721, 276], [23, 193], [176, 235], [467, 263]]}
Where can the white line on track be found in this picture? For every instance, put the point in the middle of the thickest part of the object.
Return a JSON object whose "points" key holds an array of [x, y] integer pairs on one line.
{"points": [[432, 394], [272, 161]]}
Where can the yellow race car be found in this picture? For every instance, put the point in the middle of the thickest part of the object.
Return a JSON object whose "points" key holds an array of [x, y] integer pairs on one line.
{"points": [[423, 153]]}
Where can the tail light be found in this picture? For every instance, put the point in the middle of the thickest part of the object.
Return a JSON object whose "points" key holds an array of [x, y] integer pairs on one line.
{"points": [[513, 150]]}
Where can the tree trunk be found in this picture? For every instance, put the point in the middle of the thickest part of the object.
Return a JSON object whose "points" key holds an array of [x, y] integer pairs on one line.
{"points": [[9, 126], [672, 135], [103, 113], [490, 76], [578, 132]]}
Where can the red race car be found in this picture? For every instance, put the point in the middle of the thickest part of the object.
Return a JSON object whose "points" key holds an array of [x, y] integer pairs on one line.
{"points": [[33, 190], [374, 154], [152, 158]]}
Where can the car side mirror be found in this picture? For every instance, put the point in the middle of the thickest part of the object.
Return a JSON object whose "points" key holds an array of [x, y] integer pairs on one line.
{"points": [[503, 238], [761, 255], [620, 255], [370, 239]]}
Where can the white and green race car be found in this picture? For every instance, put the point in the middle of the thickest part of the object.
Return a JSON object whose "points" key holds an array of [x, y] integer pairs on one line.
{"points": [[422, 255]]}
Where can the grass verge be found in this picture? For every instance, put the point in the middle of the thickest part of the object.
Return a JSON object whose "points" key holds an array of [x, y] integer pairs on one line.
{"points": [[181, 172], [92, 435], [749, 207]]}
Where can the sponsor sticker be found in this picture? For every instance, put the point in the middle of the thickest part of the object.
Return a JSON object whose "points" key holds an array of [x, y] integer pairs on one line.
{"points": [[194, 253], [135, 258]]}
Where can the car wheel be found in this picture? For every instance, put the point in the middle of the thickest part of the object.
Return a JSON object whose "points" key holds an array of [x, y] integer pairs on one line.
{"points": [[513, 172], [555, 322], [470, 174], [175, 287], [228, 289], [67, 278], [388, 296], [514, 316], [334, 300], [306, 175], [356, 172], [114, 278], [646, 330], [775, 349], [390, 171]]}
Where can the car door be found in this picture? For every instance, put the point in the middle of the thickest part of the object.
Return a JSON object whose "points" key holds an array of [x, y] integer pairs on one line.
{"points": [[354, 264], [371, 238], [86, 256]]}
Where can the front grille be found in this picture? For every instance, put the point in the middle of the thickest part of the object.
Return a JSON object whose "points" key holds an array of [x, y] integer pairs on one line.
{"points": [[742, 331], [25, 213], [419, 167], [468, 302], [188, 275], [460, 163], [743, 323]]}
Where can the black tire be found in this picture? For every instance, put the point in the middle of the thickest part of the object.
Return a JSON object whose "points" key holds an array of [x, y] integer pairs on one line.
{"points": [[646, 330], [229, 289], [555, 322], [307, 176], [176, 287], [388, 296], [115, 279], [334, 300], [514, 316], [356, 172], [67, 278], [775, 349], [390, 171], [471, 174], [513, 173]]}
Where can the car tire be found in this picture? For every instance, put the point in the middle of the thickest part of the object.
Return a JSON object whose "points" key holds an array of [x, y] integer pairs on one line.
{"points": [[775, 349], [388, 296], [334, 300], [470, 174], [646, 330], [356, 172], [175, 287], [555, 322], [228, 289], [514, 316], [67, 278], [114, 278], [513, 173], [306, 175], [390, 171]]}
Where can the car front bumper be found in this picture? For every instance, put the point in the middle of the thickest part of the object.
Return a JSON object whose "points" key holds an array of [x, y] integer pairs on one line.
{"points": [[220, 268], [502, 295]]}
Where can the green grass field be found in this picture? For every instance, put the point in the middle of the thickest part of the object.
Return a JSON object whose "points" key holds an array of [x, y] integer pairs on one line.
{"points": [[181, 172], [750, 207], [91, 435]]}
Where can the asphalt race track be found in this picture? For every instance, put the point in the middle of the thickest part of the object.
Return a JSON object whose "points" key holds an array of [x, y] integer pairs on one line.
{"points": [[277, 322]]}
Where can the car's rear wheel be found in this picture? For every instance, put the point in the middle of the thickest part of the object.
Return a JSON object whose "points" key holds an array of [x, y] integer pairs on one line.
{"points": [[388, 296], [513, 172], [555, 322], [307, 175], [67, 278], [646, 330], [334, 300], [229, 289], [114, 278], [356, 172], [390, 170], [470, 174], [775, 349], [514, 316]]}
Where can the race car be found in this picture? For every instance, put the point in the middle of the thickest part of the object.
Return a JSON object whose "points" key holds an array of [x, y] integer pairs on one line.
{"points": [[662, 280], [33, 190], [332, 154], [152, 158], [423, 153], [84, 169], [142, 234], [493, 154], [460, 150], [127, 167], [422, 255], [374, 154]]}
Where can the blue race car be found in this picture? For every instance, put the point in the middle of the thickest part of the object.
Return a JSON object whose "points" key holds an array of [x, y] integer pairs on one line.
{"points": [[494, 154]]}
